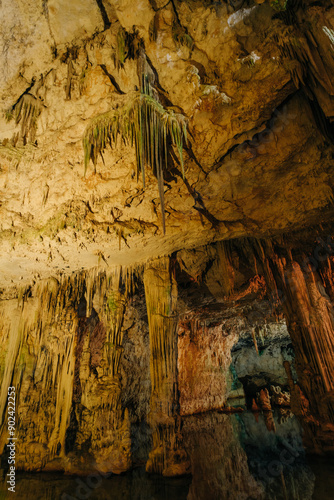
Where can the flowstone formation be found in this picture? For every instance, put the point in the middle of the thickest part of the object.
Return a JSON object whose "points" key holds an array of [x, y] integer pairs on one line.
{"points": [[166, 232]]}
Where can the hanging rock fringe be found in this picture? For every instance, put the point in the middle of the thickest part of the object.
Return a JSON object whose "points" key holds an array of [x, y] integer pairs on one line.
{"points": [[148, 126], [306, 65], [121, 47], [181, 36], [44, 364], [26, 111]]}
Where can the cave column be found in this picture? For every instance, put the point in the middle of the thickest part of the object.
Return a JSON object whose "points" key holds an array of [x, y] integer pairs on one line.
{"points": [[305, 294], [167, 456], [161, 299]]}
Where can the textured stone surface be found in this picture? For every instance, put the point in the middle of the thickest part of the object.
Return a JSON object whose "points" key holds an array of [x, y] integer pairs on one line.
{"points": [[256, 161], [263, 366], [203, 362]]}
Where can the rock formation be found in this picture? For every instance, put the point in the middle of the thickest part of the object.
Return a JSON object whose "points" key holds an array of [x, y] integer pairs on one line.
{"points": [[166, 222]]}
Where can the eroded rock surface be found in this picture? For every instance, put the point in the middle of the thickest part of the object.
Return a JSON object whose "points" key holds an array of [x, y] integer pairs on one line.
{"points": [[254, 88], [121, 301]]}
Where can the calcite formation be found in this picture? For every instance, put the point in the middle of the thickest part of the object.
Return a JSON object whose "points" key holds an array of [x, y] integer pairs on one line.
{"points": [[67, 371], [166, 222]]}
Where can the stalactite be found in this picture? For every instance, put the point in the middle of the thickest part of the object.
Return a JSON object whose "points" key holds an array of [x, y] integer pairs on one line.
{"points": [[41, 346], [26, 112], [306, 47], [64, 398], [42, 370], [14, 336]]}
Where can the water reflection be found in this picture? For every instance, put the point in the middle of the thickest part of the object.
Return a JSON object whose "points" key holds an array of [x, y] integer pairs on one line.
{"points": [[324, 477], [136, 485], [218, 462], [276, 457], [240, 456]]}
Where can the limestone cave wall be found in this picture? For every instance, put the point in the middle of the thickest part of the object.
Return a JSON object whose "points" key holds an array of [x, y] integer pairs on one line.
{"points": [[166, 229]]}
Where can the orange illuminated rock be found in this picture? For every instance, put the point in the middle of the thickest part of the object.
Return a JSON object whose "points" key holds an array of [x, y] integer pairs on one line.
{"points": [[263, 400]]}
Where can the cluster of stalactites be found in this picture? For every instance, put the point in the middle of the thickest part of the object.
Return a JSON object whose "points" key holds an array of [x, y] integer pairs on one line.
{"points": [[42, 340]]}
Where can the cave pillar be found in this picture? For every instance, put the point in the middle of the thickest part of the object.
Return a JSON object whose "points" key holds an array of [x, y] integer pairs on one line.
{"points": [[167, 456], [303, 286]]}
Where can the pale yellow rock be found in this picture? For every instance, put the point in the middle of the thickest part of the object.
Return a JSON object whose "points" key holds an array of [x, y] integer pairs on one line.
{"points": [[139, 14], [25, 47], [70, 21]]}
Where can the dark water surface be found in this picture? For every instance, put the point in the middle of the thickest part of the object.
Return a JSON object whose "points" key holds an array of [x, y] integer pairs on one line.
{"points": [[241, 456]]}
